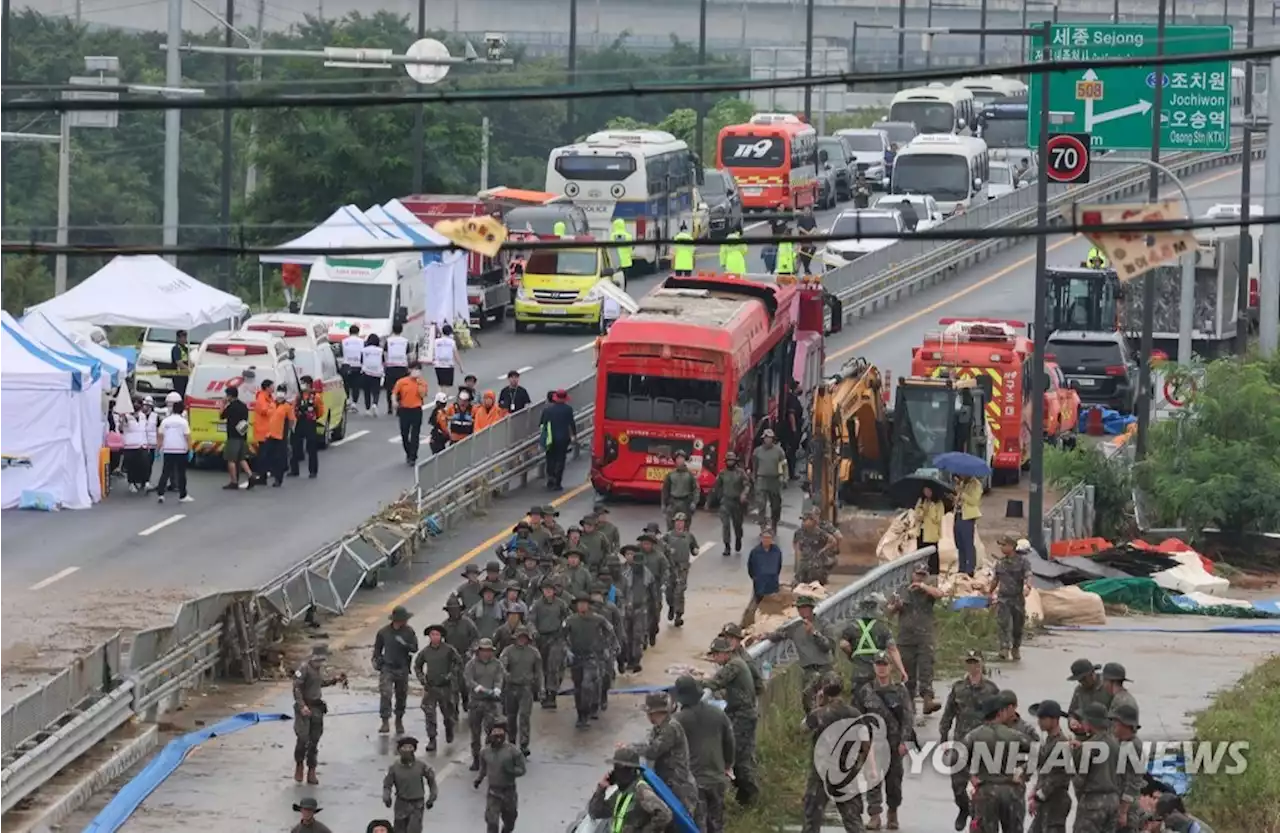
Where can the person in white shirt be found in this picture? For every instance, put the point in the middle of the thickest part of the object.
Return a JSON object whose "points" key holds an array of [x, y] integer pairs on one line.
{"points": [[371, 371], [139, 431], [352, 350], [175, 445], [446, 359], [397, 359], [610, 311]]}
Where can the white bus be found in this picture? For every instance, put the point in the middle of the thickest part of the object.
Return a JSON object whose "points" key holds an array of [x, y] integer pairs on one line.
{"points": [[951, 169], [644, 177], [936, 108], [992, 89]]}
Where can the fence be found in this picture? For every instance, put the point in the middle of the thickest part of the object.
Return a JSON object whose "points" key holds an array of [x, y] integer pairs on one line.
{"points": [[1071, 517], [51, 727]]}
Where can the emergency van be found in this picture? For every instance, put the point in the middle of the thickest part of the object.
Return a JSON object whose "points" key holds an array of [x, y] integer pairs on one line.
{"points": [[242, 360], [312, 356], [373, 291], [557, 287]]}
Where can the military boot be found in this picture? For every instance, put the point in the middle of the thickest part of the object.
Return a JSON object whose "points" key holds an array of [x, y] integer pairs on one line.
{"points": [[892, 822], [1017, 654], [930, 705], [311, 776], [431, 744], [400, 725], [873, 821], [679, 623], [297, 772], [385, 728], [962, 816], [475, 764], [448, 733], [726, 548]]}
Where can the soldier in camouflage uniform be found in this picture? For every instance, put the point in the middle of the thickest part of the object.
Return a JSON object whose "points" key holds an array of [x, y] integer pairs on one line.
{"points": [[549, 515], [829, 708], [998, 794], [681, 548], [1131, 774], [633, 601], [574, 577], [505, 635], [680, 492], [893, 703], [393, 650], [612, 663], [308, 711], [1089, 689], [461, 633], [469, 590], [730, 495], [654, 556], [501, 764], [594, 545], [813, 648], [735, 685], [540, 573], [538, 532], [963, 713], [644, 811], [815, 551], [406, 779], [732, 631], [1013, 583], [547, 617], [484, 677], [667, 750], [610, 530], [1096, 783], [523, 666], [1113, 679], [589, 637], [1014, 720], [916, 634], [1050, 804], [437, 667]]}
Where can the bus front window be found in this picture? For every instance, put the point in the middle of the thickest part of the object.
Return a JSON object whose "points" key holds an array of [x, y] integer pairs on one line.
{"points": [[663, 400], [929, 116], [943, 176], [1004, 133]]}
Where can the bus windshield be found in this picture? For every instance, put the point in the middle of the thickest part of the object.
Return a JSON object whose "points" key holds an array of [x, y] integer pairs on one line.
{"points": [[944, 176], [929, 116], [663, 400], [753, 151], [1004, 133], [596, 168], [347, 300]]}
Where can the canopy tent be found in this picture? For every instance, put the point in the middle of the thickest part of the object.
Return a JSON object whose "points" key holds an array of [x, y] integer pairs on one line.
{"points": [[408, 223], [61, 339], [142, 291], [343, 226], [46, 423], [444, 271]]}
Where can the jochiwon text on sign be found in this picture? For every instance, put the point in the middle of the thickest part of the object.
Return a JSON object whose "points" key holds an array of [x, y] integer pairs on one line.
{"points": [[1115, 105]]}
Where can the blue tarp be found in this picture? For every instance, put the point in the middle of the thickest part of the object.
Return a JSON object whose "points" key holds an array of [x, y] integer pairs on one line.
{"points": [[969, 603], [1256, 628], [1171, 771], [684, 822], [1113, 422]]}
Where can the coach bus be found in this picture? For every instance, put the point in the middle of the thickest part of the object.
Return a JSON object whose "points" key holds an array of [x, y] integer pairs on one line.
{"points": [[643, 177], [935, 109], [774, 160], [700, 367], [993, 89], [951, 169]]}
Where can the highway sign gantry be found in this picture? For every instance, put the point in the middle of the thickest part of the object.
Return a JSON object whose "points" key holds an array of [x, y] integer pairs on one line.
{"points": [[1115, 105], [1067, 158]]}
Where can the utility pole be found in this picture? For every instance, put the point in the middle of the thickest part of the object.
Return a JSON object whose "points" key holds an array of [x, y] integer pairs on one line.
{"points": [[64, 203], [701, 103], [4, 96], [570, 109], [1035, 496], [982, 38], [1245, 258], [251, 172], [808, 61], [902, 37], [1269, 275], [1149, 279], [419, 112], [172, 130], [229, 79]]}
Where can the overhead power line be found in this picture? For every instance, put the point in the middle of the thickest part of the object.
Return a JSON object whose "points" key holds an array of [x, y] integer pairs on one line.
{"points": [[399, 248], [349, 100]]}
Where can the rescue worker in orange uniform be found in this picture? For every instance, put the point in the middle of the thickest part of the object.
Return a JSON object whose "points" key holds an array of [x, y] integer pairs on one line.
{"points": [[309, 411], [459, 419], [263, 404], [277, 448], [409, 394], [488, 412]]}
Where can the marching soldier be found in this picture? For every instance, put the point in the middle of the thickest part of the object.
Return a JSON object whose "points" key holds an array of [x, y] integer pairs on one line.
{"points": [[469, 591], [917, 625], [681, 548], [523, 666], [1050, 804], [1096, 783], [729, 495], [538, 532], [769, 466], [667, 750], [308, 711], [557, 533], [633, 600], [634, 807], [1012, 585], [487, 613], [963, 710], [711, 751], [437, 667], [461, 634], [484, 677], [654, 556], [406, 778], [1089, 689], [575, 578], [393, 650], [892, 702], [547, 617], [865, 637], [503, 764], [589, 636], [813, 649], [815, 551], [998, 795], [606, 526], [505, 636], [829, 708], [613, 663], [680, 491], [735, 684], [308, 823], [536, 574], [594, 544]]}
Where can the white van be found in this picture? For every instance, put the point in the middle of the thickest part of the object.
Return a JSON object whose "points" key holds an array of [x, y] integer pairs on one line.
{"points": [[992, 89], [373, 291], [313, 356], [153, 376], [951, 169], [936, 108]]}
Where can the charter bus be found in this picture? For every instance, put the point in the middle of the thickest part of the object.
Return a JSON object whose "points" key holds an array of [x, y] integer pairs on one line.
{"points": [[992, 89], [936, 108], [1004, 125], [774, 160], [700, 367], [951, 169], [644, 177]]}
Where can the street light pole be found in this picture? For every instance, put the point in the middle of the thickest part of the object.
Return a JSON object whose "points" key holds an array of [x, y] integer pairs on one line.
{"points": [[1149, 279], [701, 103], [982, 38], [902, 36], [570, 110], [1245, 258], [808, 61], [64, 203], [1035, 496], [229, 77], [172, 130], [419, 113]]}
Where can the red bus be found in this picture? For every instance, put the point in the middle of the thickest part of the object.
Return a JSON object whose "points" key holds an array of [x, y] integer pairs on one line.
{"points": [[699, 368], [773, 158]]}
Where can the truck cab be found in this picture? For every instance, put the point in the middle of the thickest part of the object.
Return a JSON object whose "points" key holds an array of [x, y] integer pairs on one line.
{"points": [[1081, 298], [932, 416]]}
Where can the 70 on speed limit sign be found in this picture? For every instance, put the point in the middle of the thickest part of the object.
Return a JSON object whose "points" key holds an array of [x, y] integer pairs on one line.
{"points": [[1067, 158]]}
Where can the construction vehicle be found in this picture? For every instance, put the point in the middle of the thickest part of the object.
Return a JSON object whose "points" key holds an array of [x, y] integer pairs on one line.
{"points": [[1082, 298]]}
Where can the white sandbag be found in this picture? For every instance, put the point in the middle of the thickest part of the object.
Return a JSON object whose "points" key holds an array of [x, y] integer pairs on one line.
{"points": [[900, 538], [1207, 600], [1035, 607], [1072, 606], [1190, 577]]}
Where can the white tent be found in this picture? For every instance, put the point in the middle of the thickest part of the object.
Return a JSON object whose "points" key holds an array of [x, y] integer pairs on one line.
{"points": [[59, 337], [142, 291], [445, 272], [343, 226], [43, 423]]}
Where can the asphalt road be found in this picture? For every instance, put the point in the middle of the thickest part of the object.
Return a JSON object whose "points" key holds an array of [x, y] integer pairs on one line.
{"points": [[72, 578]]}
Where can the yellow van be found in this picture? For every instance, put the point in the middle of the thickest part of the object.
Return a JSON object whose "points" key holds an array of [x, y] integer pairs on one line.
{"points": [[242, 360], [313, 356], [557, 283]]}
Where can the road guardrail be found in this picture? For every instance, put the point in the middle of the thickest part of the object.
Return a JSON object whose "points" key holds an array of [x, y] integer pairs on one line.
{"points": [[54, 725]]}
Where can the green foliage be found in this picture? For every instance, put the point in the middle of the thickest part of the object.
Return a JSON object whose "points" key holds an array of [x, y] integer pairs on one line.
{"points": [[1110, 477], [26, 283], [1248, 800], [856, 119], [1217, 462]]}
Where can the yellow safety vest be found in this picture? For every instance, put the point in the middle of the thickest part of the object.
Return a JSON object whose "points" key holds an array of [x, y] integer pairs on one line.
{"points": [[866, 639], [786, 258], [1096, 253], [685, 253], [184, 356], [620, 809], [624, 252]]}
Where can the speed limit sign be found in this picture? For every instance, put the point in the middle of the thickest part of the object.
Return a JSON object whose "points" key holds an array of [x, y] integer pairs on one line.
{"points": [[1068, 158]]}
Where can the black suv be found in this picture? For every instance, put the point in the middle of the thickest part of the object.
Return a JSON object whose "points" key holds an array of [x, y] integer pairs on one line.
{"points": [[832, 151], [724, 202], [1099, 366]]}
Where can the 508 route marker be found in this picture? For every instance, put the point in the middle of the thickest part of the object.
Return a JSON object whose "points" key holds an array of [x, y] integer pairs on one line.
{"points": [[1067, 158]]}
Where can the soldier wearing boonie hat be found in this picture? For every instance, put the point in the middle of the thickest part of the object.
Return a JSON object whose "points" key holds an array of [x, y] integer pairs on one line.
{"points": [[813, 647], [1098, 787], [308, 807], [682, 548], [963, 712], [438, 667], [680, 490], [1051, 802]]}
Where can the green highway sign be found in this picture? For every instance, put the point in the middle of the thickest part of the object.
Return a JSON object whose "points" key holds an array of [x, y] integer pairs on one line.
{"points": [[1115, 105]]}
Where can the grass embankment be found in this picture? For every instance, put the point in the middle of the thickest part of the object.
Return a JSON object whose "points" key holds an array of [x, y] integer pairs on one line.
{"points": [[783, 745], [1250, 800]]}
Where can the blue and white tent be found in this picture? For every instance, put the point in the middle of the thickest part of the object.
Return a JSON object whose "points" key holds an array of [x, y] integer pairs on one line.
{"points": [[50, 422], [57, 336]]}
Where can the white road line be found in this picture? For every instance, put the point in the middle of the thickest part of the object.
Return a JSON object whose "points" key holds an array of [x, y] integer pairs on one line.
{"points": [[423, 440], [755, 226], [520, 370], [58, 576], [357, 435], [705, 548], [170, 521], [584, 347]]}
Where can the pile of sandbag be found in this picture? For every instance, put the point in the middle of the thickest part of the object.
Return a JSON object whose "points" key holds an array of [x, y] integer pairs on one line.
{"points": [[1071, 606], [900, 539], [776, 609]]}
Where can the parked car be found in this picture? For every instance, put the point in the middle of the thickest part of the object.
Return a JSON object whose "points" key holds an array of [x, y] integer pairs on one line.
{"points": [[826, 187], [1099, 366], [869, 148], [723, 201], [861, 224], [928, 214], [833, 151]]}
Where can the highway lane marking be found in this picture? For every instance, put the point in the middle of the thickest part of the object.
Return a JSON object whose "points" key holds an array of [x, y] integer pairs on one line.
{"points": [[154, 528], [421, 440], [520, 370], [985, 282], [349, 438], [58, 576], [585, 347], [704, 548]]}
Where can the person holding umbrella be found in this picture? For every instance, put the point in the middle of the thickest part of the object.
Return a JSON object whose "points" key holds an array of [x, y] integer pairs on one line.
{"points": [[968, 472], [926, 488]]}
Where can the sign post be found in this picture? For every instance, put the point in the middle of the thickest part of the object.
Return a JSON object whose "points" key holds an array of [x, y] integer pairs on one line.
{"points": [[1115, 105]]}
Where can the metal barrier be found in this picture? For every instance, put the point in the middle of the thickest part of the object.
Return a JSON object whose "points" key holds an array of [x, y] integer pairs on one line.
{"points": [[1071, 517]]}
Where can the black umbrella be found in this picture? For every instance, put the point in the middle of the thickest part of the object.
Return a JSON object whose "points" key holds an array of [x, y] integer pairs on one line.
{"points": [[909, 489]]}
